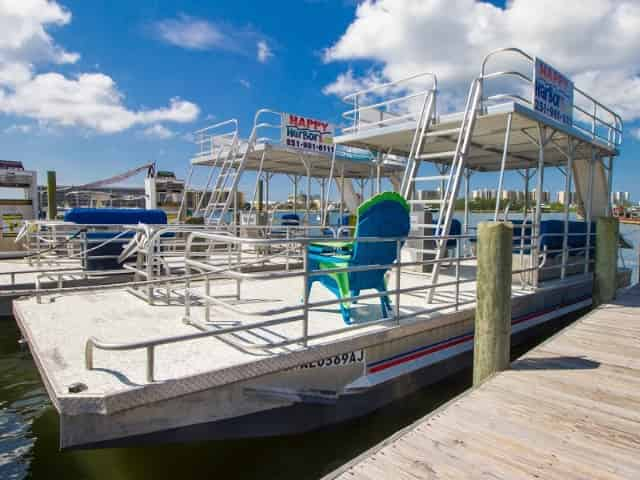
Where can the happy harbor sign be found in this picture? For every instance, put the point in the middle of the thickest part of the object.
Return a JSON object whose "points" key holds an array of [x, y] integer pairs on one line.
{"points": [[307, 134], [552, 93]]}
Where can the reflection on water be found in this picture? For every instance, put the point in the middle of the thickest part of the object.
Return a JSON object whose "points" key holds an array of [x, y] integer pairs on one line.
{"points": [[29, 431]]}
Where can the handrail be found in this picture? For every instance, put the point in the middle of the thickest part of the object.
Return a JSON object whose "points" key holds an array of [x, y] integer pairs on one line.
{"points": [[382, 106], [231, 121], [599, 115], [149, 345], [391, 84], [615, 126]]}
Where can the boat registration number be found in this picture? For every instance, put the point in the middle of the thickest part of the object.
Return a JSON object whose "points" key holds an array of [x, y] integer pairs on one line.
{"points": [[357, 356]]}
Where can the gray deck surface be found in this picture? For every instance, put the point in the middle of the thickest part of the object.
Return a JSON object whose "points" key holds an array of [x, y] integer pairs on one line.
{"points": [[58, 331], [569, 409], [25, 273]]}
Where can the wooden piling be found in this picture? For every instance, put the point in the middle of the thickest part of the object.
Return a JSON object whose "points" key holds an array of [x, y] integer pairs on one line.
{"points": [[52, 206], [606, 262], [493, 300], [260, 195]]}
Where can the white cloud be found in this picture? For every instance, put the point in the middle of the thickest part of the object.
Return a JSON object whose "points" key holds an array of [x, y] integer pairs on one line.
{"points": [[636, 133], [264, 51], [346, 83], [158, 131], [90, 100], [194, 33], [191, 33], [245, 83], [595, 42], [19, 128], [23, 38], [87, 100]]}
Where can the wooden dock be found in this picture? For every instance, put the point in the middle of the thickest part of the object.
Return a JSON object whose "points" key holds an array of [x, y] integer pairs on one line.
{"points": [[569, 409]]}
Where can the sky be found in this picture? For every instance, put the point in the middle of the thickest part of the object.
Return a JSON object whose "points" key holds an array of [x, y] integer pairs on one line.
{"points": [[92, 89]]}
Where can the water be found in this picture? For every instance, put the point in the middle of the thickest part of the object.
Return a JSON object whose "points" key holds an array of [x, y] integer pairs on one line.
{"points": [[29, 429]]}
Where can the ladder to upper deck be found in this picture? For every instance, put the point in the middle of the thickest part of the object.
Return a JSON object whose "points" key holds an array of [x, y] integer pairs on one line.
{"points": [[451, 161], [232, 159], [451, 177]]}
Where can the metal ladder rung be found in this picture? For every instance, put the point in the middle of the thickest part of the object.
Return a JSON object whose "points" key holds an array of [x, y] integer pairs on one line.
{"points": [[424, 225], [443, 133], [432, 178], [433, 156], [422, 202]]}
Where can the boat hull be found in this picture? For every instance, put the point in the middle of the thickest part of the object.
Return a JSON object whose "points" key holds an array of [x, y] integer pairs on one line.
{"points": [[311, 396]]}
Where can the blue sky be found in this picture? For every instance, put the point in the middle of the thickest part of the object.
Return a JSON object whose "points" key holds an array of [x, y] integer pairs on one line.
{"points": [[218, 72]]}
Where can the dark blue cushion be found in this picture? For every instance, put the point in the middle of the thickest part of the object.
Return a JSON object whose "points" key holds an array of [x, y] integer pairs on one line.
{"points": [[115, 216]]}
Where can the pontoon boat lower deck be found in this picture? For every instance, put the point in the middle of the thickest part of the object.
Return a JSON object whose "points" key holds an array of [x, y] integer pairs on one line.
{"points": [[253, 382]]}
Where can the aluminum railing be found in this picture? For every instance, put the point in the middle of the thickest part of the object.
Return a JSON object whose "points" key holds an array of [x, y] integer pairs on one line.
{"points": [[389, 103], [214, 138], [591, 117], [160, 251], [197, 295], [399, 101]]}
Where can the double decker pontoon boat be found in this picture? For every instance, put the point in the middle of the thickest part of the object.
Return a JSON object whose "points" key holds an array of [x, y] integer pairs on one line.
{"points": [[221, 334]]}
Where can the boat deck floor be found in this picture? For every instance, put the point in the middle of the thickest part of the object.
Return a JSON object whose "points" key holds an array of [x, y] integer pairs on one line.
{"points": [[25, 274], [58, 328]]}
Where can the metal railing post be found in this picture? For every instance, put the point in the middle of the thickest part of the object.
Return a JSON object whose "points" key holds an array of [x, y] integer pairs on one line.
{"points": [[567, 202], [150, 363], [187, 282], [207, 302], [458, 253], [398, 272], [88, 355], [287, 250], [305, 296], [238, 262], [588, 212]]}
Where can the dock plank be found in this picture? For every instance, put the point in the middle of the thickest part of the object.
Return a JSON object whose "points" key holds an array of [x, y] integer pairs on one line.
{"points": [[569, 409]]}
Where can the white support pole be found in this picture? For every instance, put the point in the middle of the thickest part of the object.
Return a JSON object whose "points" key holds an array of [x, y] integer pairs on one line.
{"points": [[567, 201], [527, 177], [467, 187], [328, 193], [610, 186], [589, 209], [371, 183], [341, 194], [378, 172], [322, 200], [295, 194], [505, 154], [255, 188], [204, 191], [308, 197], [185, 194], [542, 139], [267, 181]]}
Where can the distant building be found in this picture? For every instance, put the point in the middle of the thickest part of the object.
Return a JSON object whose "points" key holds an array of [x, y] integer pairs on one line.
{"points": [[484, 194], [429, 194], [544, 198], [621, 198], [560, 198], [512, 195]]}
